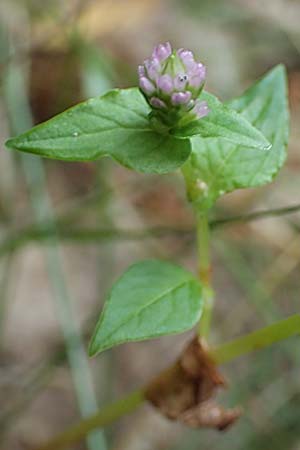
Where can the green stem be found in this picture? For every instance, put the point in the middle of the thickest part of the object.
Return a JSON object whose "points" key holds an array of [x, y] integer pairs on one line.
{"points": [[205, 321], [255, 215], [108, 415], [15, 90], [203, 246], [257, 339], [83, 235], [224, 353]]}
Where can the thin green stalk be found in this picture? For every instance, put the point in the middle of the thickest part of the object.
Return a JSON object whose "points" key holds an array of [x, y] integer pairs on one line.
{"points": [[194, 192], [204, 261], [45, 231], [20, 116], [256, 215], [222, 354], [203, 247], [257, 339], [84, 235], [105, 417]]}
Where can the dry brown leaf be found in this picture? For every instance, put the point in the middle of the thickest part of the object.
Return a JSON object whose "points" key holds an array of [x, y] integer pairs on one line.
{"points": [[185, 392]]}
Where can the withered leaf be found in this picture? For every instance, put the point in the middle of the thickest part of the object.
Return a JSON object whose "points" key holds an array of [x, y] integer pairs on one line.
{"points": [[185, 391], [210, 414]]}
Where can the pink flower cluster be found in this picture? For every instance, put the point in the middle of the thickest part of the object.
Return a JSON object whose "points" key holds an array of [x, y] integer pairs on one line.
{"points": [[173, 80]]}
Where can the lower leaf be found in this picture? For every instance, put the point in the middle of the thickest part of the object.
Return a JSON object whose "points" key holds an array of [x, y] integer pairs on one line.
{"points": [[152, 298]]}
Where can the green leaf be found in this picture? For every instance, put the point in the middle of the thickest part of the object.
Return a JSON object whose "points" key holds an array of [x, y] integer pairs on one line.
{"points": [[217, 167], [225, 123], [152, 298], [115, 124]]}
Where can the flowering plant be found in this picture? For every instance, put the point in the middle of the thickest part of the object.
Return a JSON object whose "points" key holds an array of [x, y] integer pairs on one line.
{"points": [[171, 122]]}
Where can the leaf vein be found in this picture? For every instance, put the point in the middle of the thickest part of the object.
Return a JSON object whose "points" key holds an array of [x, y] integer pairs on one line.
{"points": [[150, 303]]}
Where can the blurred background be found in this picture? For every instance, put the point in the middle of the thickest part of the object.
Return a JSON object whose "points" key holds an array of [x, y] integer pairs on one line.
{"points": [[68, 230]]}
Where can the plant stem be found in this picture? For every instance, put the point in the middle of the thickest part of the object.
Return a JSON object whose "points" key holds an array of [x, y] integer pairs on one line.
{"points": [[255, 215], [222, 354], [108, 415], [15, 90], [203, 246], [257, 339], [83, 235]]}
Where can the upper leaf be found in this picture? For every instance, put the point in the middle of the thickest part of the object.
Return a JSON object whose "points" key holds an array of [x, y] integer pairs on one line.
{"points": [[152, 298], [218, 167], [225, 123], [115, 124]]}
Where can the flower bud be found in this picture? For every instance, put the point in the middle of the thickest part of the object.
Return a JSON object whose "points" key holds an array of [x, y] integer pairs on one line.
{"points": [[165, 84], [146, 86], [162, 51], [181, 98], [200, 109], [172, 82], [157, 103], [186, 57], [141, 71]]}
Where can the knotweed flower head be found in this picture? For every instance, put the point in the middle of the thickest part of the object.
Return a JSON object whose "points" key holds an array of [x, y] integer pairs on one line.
{"points": [[171, 81]]}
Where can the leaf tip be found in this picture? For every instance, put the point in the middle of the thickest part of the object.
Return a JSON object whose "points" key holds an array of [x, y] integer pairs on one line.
{"points": [[92, 348], [280, 68], [278, 72], [11, 143], [97, 345]]}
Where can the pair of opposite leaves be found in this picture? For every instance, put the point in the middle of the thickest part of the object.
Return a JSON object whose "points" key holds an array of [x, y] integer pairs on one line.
{"points": [[235, 146]]}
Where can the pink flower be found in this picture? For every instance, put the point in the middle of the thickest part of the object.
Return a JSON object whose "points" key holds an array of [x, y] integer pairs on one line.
{"points": [[172, 82], [200, 109], [157, 103], [181, 98], [146, 86], [165, 83], [162, 51]]}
